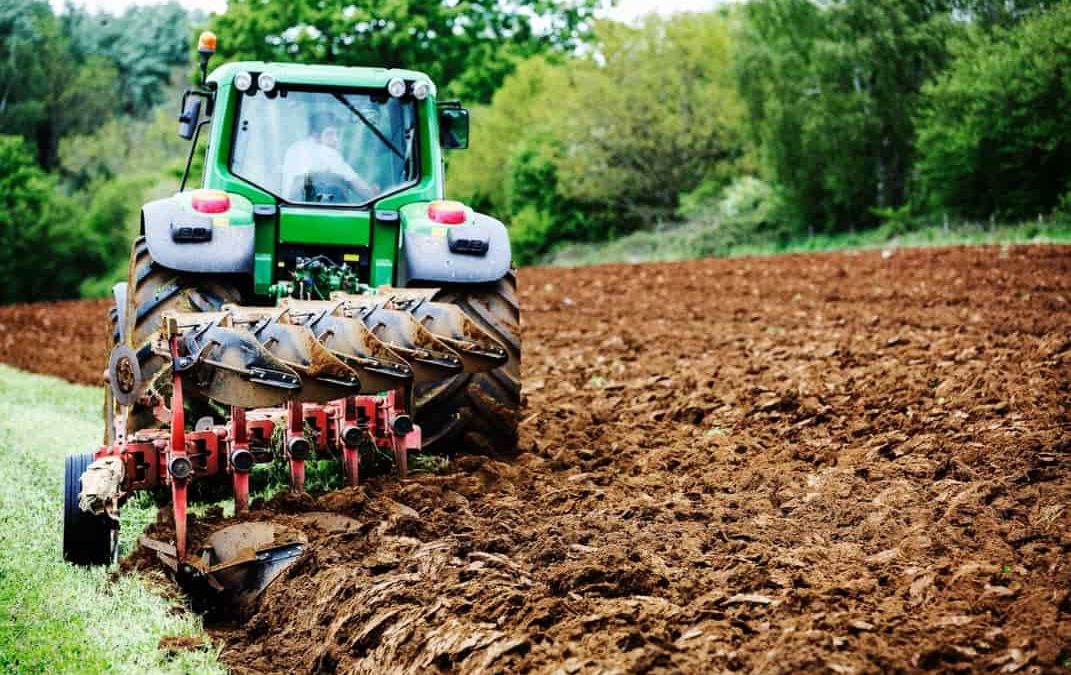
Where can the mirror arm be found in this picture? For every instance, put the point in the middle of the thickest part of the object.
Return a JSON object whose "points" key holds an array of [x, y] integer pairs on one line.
{"points": [[193, 149]]}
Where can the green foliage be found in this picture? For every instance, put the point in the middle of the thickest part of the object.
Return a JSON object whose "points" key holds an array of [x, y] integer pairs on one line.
{"points": [[64, 82], [321, 474], [994, 135], [421, 463], [71, 74], [750, 212], [999, 13], [605, 143], [832, 90], [110, 224], [531, 231], [516, 123], [694, 239], [761, 123], [125, 147], [112, 173], [666, 114], [468, 47], [52, 242], [40, 256], [895, 220], [46, 89], [146, 44], [57, 618]]}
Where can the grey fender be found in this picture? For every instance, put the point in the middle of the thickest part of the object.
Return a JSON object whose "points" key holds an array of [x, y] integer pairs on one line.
{"points": [[427, 255], [229, 250], [119, 293]]}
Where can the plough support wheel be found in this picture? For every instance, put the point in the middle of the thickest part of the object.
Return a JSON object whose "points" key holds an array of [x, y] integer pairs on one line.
{"points": [[88, 539]]}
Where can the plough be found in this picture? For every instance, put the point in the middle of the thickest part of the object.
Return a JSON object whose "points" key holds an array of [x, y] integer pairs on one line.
{"points": [[297, 369]]}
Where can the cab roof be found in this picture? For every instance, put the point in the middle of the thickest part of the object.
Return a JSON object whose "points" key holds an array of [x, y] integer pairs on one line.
{"points": [[298, 73]]}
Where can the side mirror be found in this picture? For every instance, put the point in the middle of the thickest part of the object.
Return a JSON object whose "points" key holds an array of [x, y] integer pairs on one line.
{"points": [[454, 128], [188, 120]]}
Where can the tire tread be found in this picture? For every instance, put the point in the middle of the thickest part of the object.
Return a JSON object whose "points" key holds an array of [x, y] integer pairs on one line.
{"points": [[478, 412]]}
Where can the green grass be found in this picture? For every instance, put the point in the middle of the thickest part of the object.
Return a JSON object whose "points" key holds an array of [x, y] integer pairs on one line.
{"points": [[56, 618], [698, 240]]}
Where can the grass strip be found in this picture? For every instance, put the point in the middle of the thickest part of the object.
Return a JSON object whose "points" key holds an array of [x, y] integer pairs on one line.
{"points": [[54, 617]]}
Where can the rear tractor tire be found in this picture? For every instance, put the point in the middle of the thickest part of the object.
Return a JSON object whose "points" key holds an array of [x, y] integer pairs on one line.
{"points": [[88, 539], [478, 412], [152, 289]]}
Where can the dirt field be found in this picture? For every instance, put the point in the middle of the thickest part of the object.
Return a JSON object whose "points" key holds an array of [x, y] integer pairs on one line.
{"points": [[845, 462], [76, 344]]}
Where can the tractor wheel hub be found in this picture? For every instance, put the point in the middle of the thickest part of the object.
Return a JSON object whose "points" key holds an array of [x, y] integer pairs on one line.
{"points": [[124, 374]]}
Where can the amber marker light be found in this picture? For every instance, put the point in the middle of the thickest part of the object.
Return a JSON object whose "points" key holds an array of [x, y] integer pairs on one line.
{"points": [[206, 44]]}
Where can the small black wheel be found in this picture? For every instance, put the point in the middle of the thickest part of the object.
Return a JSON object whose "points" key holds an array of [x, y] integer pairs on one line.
{"points": [[88, 539]]}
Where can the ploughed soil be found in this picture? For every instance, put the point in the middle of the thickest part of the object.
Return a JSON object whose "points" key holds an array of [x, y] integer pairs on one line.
{"points": [[66, 339], [842, 462]]}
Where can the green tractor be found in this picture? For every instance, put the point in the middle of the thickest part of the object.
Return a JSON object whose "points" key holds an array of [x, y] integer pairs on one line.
{"points": [[326, 179], [317, 284]]}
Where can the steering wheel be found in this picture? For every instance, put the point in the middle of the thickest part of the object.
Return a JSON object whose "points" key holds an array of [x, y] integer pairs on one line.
{"points": [[326, 187]]}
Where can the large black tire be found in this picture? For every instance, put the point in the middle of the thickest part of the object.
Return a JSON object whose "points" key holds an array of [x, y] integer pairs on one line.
{"points": [[152, 289], [478, 412], [88, 539]]}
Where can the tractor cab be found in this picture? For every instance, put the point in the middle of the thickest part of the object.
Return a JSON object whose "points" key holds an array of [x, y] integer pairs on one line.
{"points": [[324, 146], [331, 164]]}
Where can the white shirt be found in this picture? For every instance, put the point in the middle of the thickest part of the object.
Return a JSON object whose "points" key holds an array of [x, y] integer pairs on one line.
{"points": [[310, 156]]}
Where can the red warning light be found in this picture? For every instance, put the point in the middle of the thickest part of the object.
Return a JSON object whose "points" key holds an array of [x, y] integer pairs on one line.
{"points": [[447, 212], [210, 201]]}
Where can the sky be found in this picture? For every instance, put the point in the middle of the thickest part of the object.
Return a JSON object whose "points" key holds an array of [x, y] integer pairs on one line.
{"points": [[627, 10]]}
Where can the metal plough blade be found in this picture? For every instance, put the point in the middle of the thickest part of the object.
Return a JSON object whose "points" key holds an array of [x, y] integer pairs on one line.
{"points": [[379, 368], [324, 377], [324, 350], [227, 364], [245, 558], [430, 359], [451, 326], [236, 563]]}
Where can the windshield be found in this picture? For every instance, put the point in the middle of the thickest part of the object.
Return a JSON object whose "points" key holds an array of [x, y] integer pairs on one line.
{"points": [[318, 147]]}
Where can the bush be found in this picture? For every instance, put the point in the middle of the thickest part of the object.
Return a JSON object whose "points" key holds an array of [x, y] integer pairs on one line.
{"points": [[530, 231], [35, 229], [49, 242], [993, 133], [748, 212], [110, 224], [606, 142], [1062, 213]]}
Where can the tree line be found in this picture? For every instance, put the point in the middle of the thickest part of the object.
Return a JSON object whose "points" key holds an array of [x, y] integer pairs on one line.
{"points": [[776, 120], [768, 120], [82, 139]]}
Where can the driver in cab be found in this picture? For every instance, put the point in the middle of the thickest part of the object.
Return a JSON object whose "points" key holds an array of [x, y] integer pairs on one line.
{"points": [[312, 164]]}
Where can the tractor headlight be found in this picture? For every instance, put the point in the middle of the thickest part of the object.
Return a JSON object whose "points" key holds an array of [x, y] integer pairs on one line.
{"points": [[396, 87], [243, 81], [266, 82], [421, 90]]}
